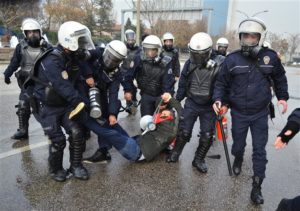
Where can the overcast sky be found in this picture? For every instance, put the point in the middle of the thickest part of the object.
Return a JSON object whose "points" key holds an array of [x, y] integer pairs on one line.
{"points": [[283, 15]]}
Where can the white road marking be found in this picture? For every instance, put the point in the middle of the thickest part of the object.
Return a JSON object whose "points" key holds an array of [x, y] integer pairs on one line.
{"points": [[23, 149]]}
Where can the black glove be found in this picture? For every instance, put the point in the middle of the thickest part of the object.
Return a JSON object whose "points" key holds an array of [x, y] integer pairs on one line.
{"points": [[293, 126], [7, 80]]}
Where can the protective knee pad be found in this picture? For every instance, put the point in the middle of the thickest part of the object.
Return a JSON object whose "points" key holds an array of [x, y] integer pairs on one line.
{"points": [[58, 146], [23, 108], [76, 134], [206, 137], [185, 135]]}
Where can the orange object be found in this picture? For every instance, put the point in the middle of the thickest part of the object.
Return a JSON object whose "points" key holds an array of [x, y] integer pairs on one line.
{"points": [[224, 123]]}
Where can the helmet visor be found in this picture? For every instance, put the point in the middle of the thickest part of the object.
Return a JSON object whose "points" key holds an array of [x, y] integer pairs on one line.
{"points": [[85, 42], [110, 61], [200, 57], [249, 39]]}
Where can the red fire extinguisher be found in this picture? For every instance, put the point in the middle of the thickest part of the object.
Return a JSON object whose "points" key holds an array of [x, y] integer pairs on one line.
{"points": [[225, 127]]}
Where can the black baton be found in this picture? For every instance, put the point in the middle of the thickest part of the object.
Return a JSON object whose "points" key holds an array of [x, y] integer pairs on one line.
{"points": [[220, 118]]}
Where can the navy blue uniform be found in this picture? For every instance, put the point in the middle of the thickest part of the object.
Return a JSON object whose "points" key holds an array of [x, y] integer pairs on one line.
{"points": [[57, 70], [127, 69], [247, 91], [196, 84], [194, 107], [154, 78], [24, 57], [174, 54], [109, 85]]}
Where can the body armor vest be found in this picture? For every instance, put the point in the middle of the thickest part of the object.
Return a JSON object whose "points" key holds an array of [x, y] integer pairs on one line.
{"points": [[200, 83], [169, 53], [149, 79], [29, 56]]}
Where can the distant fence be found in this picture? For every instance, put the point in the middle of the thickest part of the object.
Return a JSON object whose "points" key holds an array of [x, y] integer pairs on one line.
{"points": [[6, 54]]}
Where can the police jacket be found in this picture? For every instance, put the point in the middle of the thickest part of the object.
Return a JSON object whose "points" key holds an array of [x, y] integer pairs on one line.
{"points": [[154, 77], [244, 84], [174, 54], [196, 82], [295, 116], [153, 142], [25, 56], [128, 67], [56, 70], [108, 83]]}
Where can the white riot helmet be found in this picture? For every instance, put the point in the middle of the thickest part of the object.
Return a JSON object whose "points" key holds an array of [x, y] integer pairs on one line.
{"points": [[151, 42], [222, 45], [73, 36], [168, 36], [266, 44], [113, 55], [30, 24], [252, 25], [130, 38], [200, 48], [147, 124]]}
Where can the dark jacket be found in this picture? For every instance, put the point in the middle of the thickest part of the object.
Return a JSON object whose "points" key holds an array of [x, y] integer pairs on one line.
{"points": [[154, 78], [56, 70], [295, 116], [197, 82], [153, 142], [241, 85], [174, 54]]}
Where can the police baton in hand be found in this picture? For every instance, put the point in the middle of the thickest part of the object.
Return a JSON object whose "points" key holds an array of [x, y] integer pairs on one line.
{"points": [[219, 119]]}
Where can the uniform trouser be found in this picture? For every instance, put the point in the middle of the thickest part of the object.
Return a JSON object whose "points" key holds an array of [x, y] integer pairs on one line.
{"points": [[258, 124], [191, 112], [126, 145], [24, 106], [148, 104], [53, 118]]}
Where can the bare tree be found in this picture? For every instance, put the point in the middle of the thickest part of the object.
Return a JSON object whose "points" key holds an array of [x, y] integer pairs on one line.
{"points": [[294, 43], [278, 43], [12, 11]]}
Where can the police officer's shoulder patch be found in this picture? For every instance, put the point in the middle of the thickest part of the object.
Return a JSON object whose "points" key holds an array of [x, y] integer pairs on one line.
{"points": [[64, 75], [266, 59]]}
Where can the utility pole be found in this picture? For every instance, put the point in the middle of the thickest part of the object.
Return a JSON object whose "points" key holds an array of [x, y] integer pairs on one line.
{"points": [[138, 20]]}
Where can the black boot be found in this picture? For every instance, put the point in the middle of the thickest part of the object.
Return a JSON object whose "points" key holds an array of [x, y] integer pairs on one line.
{"points": [[56, 170], [76, 150], [204, 144], [173, 157], [256, 195], [237, 165], [22, 132], [100, 156]]}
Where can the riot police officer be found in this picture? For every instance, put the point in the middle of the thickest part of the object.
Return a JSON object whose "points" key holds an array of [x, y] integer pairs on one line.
{"points": [[127, 69], [221, 46], [244, 84], [26, 54], [54, 79], [153, 73], [169, 50], [106, 77], [196, 83]]}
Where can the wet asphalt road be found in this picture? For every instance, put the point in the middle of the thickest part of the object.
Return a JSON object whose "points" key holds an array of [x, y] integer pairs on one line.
{"points": [[124, 185]]}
